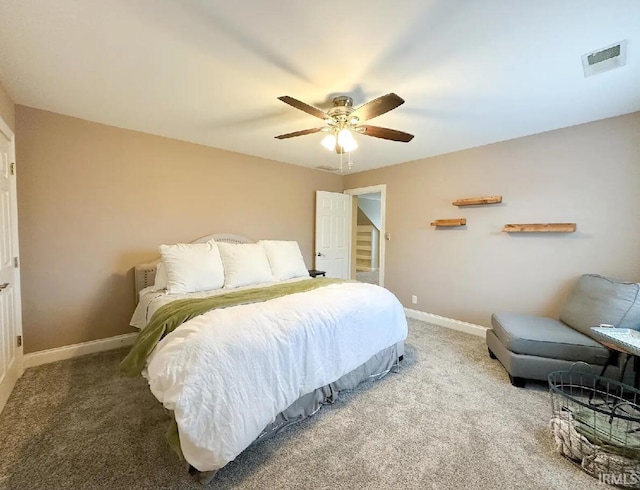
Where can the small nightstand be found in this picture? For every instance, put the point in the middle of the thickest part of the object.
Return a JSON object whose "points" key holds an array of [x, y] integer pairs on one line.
{"points": [[316, 273]]}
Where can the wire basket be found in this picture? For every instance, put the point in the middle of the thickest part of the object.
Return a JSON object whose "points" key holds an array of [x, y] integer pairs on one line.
{"points": [[596, 423]]}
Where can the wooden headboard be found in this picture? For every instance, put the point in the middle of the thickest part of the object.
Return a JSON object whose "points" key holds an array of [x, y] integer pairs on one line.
{"points": [[145, 274]]}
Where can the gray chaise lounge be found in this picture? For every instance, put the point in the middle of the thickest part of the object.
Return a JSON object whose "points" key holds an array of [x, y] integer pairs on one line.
{"points": [[531, 347]]}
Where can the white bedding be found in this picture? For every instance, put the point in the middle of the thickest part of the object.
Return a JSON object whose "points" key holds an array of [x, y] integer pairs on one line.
{"points": [[227, 373], [151, 299]]}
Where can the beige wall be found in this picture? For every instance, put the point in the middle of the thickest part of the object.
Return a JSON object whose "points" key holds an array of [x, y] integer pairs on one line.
{"points": [[95, 200], [7, 109], [588, 174]]}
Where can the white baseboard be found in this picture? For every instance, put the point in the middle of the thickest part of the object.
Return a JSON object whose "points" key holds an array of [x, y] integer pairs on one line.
{"points": [[84, 348], [77, 350], [443, 321]]}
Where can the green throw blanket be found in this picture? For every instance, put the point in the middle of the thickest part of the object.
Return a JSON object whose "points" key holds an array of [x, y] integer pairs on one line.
{"points": [[172, 315]]}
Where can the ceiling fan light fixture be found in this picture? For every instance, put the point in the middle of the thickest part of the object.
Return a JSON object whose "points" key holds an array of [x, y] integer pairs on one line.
{"points": [[346, 141], [329, 142], [342, 120]]}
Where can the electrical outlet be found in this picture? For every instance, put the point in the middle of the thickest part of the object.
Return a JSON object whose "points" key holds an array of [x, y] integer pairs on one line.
{"points": [[414, 299]]}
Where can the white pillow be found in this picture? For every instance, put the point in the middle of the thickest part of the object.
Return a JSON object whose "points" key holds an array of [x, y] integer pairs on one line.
{"points": [[161, 276], [192, 267], [285, 259], [244, 264]]}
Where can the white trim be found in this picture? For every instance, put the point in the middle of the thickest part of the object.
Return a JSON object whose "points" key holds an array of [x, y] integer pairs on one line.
{"points": [[93, 346], [382, 189], [349, 234], [17, 281], [443, 321], [77, 350]]}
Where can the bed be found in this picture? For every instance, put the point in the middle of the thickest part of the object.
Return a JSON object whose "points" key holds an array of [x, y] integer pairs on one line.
{"points": [[266, 356]]}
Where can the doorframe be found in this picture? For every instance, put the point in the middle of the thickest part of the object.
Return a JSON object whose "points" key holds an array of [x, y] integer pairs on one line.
{"points": [[15, 245], [382, 189]]}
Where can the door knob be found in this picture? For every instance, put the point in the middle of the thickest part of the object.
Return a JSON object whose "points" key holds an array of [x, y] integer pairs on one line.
{"points": [[320, 254], [3, 286]]}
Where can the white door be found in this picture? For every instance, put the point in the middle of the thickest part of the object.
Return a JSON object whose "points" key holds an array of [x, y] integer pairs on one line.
{"points": [[333, 226], [10, 312]]}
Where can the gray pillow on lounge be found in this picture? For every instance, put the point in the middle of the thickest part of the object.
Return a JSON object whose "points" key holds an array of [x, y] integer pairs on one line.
{"points": [[596, 299]]}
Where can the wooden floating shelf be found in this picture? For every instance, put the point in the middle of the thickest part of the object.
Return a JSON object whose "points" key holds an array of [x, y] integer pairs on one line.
{"points": [[540, 228], [477, 201], [449, 222]]}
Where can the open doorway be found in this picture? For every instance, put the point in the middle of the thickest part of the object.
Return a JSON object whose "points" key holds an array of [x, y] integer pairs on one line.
{"points": [[367, 233], [367, 251]]}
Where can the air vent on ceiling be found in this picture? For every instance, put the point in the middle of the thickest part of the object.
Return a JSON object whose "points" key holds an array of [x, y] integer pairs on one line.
{"points": [[605, 59], [328, 168]]}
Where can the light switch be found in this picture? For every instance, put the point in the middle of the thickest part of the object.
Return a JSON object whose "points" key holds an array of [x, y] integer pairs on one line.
{"points": [[387, 236]]}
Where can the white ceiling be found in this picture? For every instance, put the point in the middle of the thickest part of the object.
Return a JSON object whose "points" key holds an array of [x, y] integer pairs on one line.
{"points": [[472, 72]]}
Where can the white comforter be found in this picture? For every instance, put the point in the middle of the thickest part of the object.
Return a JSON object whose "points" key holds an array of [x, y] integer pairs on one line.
{"points": [[227, 374]]}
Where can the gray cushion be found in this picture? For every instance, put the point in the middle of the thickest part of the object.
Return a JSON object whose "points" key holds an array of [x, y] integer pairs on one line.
{"points": [[546, 337], [596, 299]]}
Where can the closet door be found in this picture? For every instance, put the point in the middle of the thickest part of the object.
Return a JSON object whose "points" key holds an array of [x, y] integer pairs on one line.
{"points": [[10, 312]]}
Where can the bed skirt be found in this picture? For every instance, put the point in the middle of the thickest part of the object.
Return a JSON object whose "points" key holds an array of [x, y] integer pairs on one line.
{"points": [[375, 368]]}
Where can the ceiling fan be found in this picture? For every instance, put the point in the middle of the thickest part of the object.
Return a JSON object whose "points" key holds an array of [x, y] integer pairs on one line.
{"points": [[343, 119]]}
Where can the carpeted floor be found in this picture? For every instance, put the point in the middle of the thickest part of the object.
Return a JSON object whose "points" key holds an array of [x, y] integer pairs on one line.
{"points": [[372, 277], [449, 419]]}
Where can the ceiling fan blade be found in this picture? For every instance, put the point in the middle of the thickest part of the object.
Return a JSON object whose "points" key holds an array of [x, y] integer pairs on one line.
{"points": [[385, 133], [304, 107], [376, 107], [299, 133]]}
